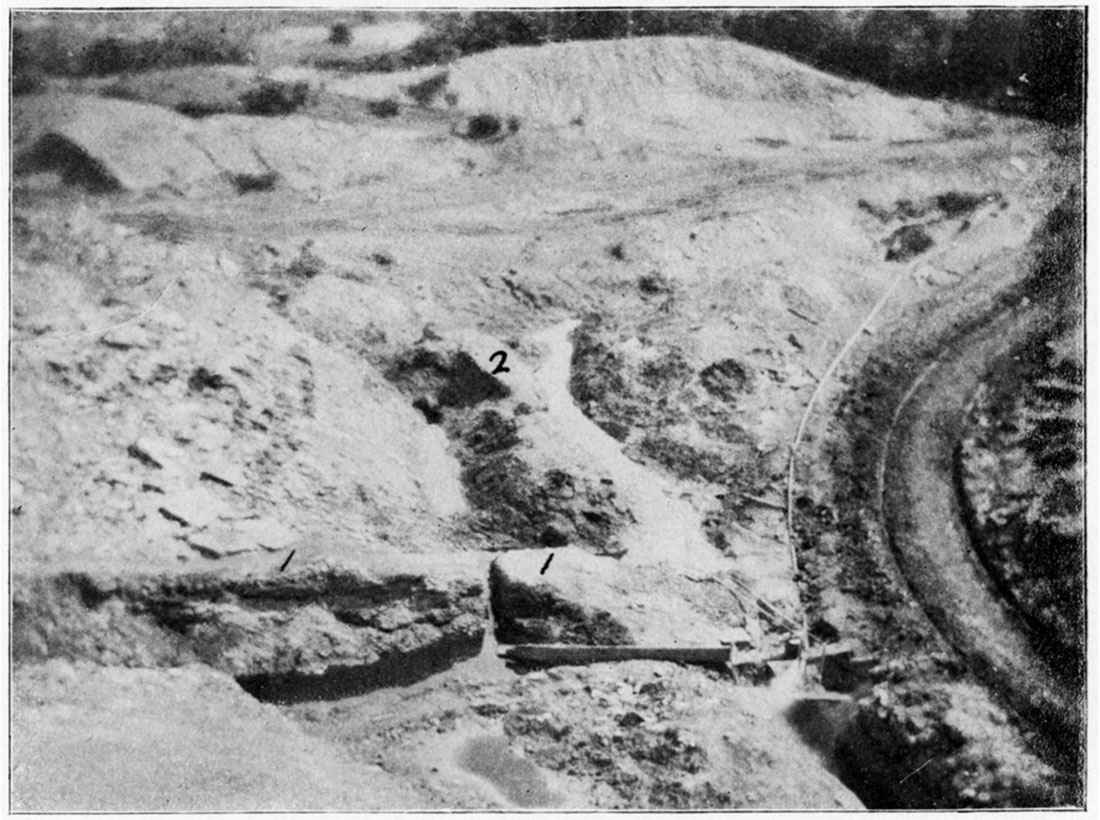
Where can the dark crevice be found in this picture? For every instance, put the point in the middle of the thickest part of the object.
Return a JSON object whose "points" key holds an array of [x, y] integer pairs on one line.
{"points": [[396, 669]]}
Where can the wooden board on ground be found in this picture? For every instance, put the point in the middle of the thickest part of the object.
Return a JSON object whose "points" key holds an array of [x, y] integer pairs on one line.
{"points": [[580, 654]]}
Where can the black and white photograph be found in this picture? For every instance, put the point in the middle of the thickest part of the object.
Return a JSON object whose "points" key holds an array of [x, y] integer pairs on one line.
{"points": [[557, 409]]}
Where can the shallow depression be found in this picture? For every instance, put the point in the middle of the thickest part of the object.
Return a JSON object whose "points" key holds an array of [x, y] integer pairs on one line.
{"points": [[518, 779]]}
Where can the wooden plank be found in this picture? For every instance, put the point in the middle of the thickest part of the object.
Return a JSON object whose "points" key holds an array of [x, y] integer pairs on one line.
{"points": [[815, 653], [558, 653], [581, 654]]}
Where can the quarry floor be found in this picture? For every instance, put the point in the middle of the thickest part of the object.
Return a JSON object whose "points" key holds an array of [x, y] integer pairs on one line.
{"points": [[623, 274]]}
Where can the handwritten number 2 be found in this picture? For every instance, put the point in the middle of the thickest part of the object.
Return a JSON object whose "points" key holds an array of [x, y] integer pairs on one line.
{"points": [[500, 368]]}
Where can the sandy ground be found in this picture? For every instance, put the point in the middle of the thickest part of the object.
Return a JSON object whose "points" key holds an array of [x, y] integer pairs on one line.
{"points": [[208, 379]]}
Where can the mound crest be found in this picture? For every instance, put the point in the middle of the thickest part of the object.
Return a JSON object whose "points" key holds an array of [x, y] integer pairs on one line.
{"points": [[709, 84]]}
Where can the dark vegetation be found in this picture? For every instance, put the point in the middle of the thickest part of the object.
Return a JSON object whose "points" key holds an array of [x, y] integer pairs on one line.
{"points": [[388, 107], [274, 99], [340, 34], [483, 127], [189, 42], [1034, 410], [980, 57], [907, 242], [426, 91], [1033, 544]]}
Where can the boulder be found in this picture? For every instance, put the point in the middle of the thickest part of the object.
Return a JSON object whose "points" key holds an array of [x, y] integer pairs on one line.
{"points": [[577, 597]]}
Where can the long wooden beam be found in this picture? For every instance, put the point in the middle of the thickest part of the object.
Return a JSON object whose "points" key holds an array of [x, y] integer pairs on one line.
{"points": [[580, 653], [569, 654]]}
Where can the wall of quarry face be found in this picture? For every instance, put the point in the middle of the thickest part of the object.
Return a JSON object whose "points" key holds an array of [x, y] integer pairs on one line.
{"points": [[319, 630]]}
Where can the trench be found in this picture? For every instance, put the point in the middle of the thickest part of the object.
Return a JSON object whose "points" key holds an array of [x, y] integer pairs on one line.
{"points": [[394, 670]]}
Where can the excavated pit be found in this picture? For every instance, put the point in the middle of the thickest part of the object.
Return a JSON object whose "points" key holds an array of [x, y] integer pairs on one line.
{"points": [[322, 633], [394, 670]]}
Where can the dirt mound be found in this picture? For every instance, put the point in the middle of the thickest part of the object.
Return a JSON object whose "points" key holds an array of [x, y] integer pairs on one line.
{"points": [[193, 91], [109, 144], [115, 144], [88, 739], [709, 84]]}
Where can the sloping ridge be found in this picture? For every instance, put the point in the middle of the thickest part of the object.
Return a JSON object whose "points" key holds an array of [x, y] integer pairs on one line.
{"points": [[116, 145], [754, 92], [124, 145]]}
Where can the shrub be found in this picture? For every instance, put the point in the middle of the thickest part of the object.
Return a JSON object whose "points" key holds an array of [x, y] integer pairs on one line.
{"points": [[426, 91], [483, 126], [109, 56], [26, 82], [340, 34], [653, 283], [388, 107], [307, 264], [190, 42], [907, 242], [274, 98], [247, 183]]}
